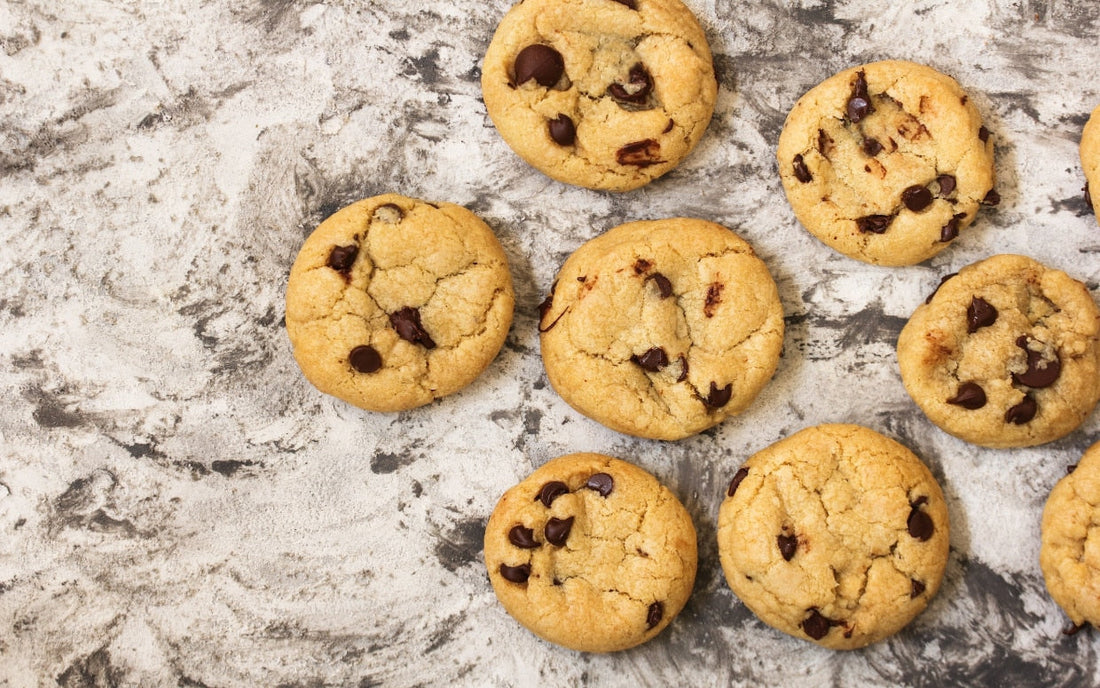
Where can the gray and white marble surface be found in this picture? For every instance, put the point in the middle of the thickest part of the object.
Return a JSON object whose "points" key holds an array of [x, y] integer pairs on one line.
{"points": [[179, 507]]}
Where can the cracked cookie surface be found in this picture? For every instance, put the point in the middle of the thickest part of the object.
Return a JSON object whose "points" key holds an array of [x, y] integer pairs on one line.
{"points": [[1090, 160], [1070, 551], [886, 162], [393, 302], [591, 553], [662, 328], [836, 534], [1004, 354], [605, 94]]}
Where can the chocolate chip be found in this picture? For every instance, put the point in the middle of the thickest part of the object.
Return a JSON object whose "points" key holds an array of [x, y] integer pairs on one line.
{"points": [[1039, 373], [947, 184], [983, 133], [942, 280], [668, 127], [713, 298], [544, 307], [521, 537], [970, 396], [823, 141], [653, 615], [629, 3], [1022, 412], [562, 130], [916, 198], [652, 360], [541, 63], [871, 147], [641, 266], [980, 313], [557, 530], [736, 482], [1071, 468], [950, 230], [875, 224], [515, 574], [801, 172], [365, 359], [664, 286], [341, 258], [992, 198], [551, 491], [683, 369], [816, 625], [637, 87], [920, 524], [388, 213], [602, 483], [407, 323], [917, 589], [717, 398], [859, 104], [639, 153], [787, 545]]}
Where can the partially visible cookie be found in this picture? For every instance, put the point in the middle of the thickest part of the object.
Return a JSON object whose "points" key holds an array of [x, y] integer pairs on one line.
{"points": [[662, 328], [1005, 354], [393, 302], [606, 94], [591, 553], [886, 162], [1090, 161], [836, 534], [1070, 552]]}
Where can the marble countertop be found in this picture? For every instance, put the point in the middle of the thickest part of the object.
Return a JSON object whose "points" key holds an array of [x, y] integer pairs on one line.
{"points": [[179, 507]]}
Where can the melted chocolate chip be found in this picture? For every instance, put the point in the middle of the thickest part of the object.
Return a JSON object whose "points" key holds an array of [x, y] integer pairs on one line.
{"points": [[562, 130], [823, 141], [947, 184], [801, 172], [365, 359], [1022, 412], [637, 87], [816, 625], [787, 545], [668, 127], [871, 147], [713, 298], [639, 153], [992, 198], [664, 286], [916, 198], [917, 589], [642, 266], [950, 230], [557, 530], [683, 369], [875, 224], [736, 482], [515, 574], [341, 258], [521, 537], [541, 63], [551, 491], [717, 398], [942, 280], [980, 313], [653, 615], [970, 396], [407, 323], [859, 104], [919, 523], [652, 360], [602, 483], [1039, 373]]}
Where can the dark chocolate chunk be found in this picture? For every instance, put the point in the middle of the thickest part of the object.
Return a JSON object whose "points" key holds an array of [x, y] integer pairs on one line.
{"points": [[801, 172], [917, 589], [653, 615], [919, 523], [602, 483], [970, 396], [736, 482], [916, 198], [551, 491], [1039, 373], [637, 87], [992, 198], [365, 359], [942, 280], [950, 230], [664, 286], [816, 625], [541, 63], [717, 398], [875, 224], [562, 130], [640, 153], [787, 545], [859, 104], [947, 184], [871, 146], [341, 258], [652, 360], [557, 530], [523, 538], [515, 574], [983, 133], [980, 313], [407, 323], [683, 368], [668, 127], [1022, 412]]}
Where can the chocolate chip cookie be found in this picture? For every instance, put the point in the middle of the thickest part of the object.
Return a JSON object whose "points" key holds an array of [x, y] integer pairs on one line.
{"points": [[1070, 552], [591, 553], [1090, 161], [662, 328], [393, 302], [835, 534], [1004, 354], [886, 162], [606, 94]]}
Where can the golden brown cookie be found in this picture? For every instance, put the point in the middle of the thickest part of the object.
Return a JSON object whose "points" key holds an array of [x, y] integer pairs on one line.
{"points": [[1005, 354], [836, 534], [606, 94], [1090, 161], [886, 162], [591, 553], [393, 302], [662, 328], [1070, 551]]}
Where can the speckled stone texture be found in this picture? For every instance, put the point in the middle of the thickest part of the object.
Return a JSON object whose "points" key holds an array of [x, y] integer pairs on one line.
{"points": [[180, 507]]}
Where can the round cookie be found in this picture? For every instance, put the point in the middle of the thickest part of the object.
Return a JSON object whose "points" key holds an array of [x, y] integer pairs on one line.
{"points": [[662, 328], [886, 162], [1070, 551], [606, 94], [591, 553], [836, 534], [1004, 354], [1090, 161], [393, 302]]}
